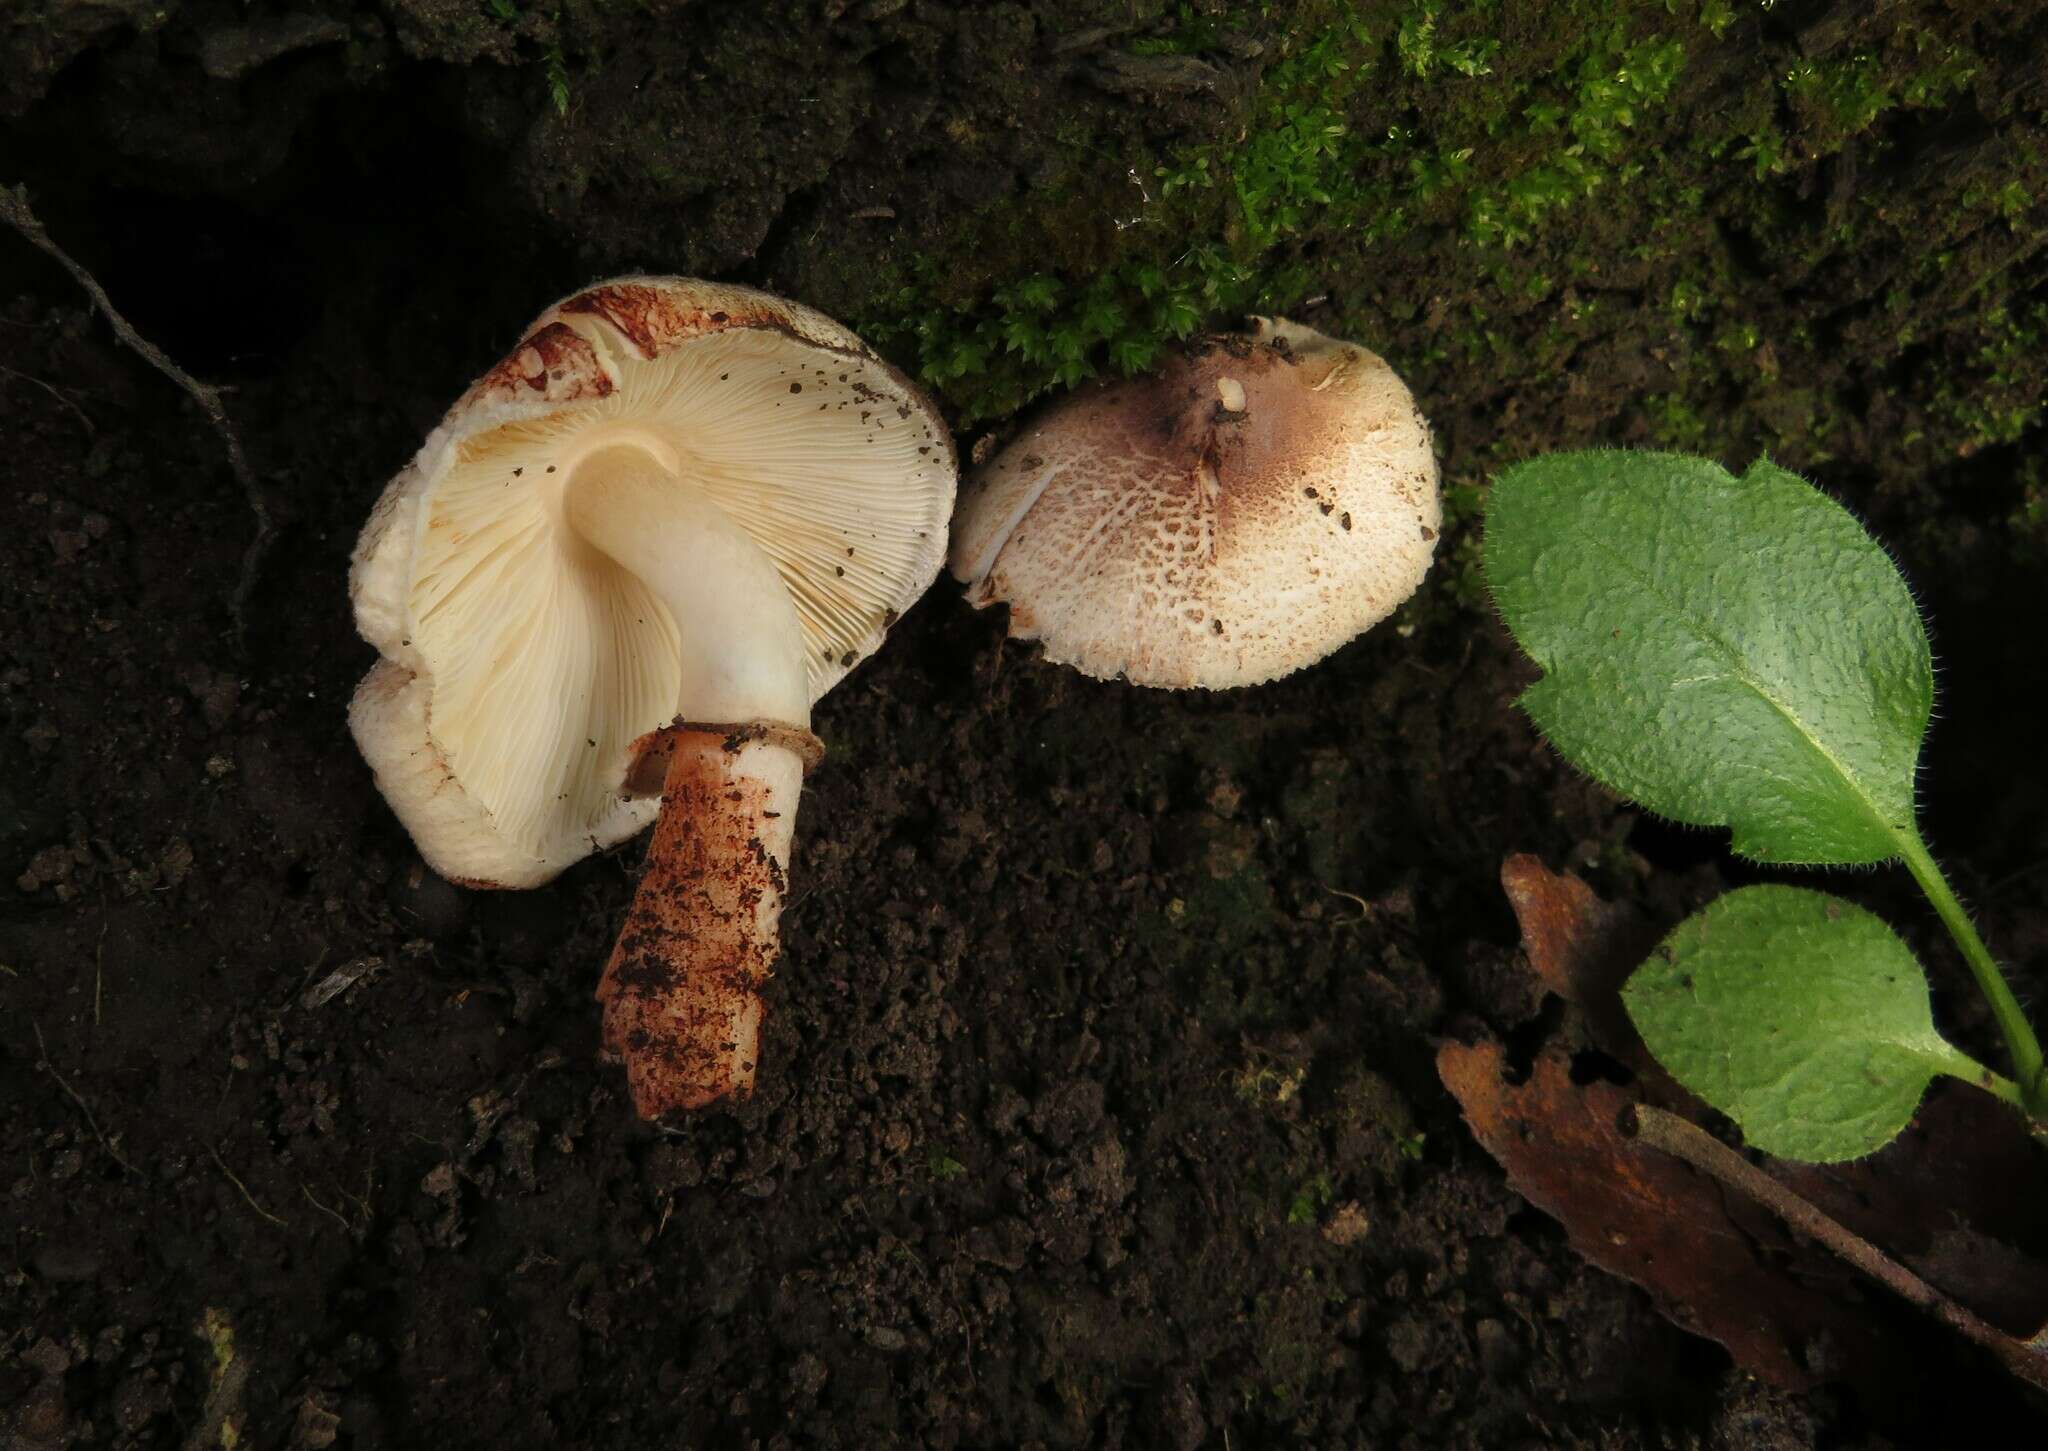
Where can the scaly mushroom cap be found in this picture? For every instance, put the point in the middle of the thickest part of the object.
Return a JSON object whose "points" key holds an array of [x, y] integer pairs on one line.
{"points": [[521, 663], [1224, 521]]}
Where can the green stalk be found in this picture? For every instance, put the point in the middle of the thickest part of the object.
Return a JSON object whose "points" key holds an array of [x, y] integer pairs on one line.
{"points": [[1999, 1087], [2020, 1042]]}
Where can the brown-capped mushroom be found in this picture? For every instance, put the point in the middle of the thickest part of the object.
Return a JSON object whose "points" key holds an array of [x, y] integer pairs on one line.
{"points": [[628, 562], [1226, 520]]}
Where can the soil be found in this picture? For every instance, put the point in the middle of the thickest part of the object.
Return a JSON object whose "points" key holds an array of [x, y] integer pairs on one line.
{"points": [[1097, 1104]]}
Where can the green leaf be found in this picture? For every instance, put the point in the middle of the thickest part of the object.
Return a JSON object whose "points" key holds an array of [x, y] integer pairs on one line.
{"points": [[1802, 1017], [1728, 652]]}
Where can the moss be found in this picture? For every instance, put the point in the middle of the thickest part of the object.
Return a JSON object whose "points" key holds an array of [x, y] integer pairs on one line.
{"points": [[1514, 146], [1310, 1200], [1836, 99], [539, 31], [1676, 424], [2004, 393], [2029, 521], [1657, 221], [1584, 126]]}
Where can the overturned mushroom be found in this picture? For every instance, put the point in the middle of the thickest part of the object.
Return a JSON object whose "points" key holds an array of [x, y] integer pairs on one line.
{"points": [[1227, 520], [628, 562]]}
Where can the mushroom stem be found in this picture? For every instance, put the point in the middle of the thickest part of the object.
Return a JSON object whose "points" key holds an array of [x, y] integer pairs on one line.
{"points": [[682, 992]]}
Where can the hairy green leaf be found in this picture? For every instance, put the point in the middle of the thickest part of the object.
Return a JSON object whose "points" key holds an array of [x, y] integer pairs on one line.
{"points": [[1802, 1017], [1727, 651]]}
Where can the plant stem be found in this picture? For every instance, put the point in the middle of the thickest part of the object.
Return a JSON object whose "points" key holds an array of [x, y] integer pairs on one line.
{"points": [[1996, 1084], [2020, 1042], [1687, 1141]]}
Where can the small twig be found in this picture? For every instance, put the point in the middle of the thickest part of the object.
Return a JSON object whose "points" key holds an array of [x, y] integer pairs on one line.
{"points": [[330, 1212], [1682, 1139], [1364, 907], [57, 393], [14, 208], [247, 1197], [44, 1063], [362, 1201]]}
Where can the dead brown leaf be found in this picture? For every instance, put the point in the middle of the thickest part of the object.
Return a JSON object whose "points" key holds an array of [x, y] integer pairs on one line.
{"points": [[1653, 1221], [1582, 948], [1956, 1198]]}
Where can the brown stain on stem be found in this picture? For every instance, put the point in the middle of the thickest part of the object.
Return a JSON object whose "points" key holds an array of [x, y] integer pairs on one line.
{"points": [[681, 994]]}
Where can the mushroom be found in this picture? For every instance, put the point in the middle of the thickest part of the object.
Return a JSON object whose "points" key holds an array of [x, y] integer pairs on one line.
{"points": [[612, 585], [1227, 520]]}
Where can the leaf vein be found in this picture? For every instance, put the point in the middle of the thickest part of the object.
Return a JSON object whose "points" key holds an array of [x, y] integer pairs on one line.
{"points": [[1738, 667]]}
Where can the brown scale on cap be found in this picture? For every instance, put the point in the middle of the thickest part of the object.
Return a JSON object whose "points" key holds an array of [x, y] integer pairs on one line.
{"points": [[656, 319], [554, 361], [1226, 520]]}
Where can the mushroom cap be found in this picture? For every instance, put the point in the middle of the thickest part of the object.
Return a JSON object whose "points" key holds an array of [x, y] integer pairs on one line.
{"points": [[520, 663], [1224, 521]]}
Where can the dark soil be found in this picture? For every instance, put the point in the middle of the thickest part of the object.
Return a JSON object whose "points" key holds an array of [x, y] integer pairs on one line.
{"points": [[1104, 1015]]}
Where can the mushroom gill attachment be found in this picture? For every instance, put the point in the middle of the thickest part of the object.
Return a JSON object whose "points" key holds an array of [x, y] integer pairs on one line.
{"points": [[1237, 515]]}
